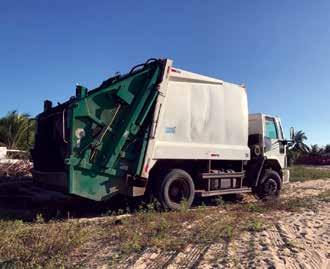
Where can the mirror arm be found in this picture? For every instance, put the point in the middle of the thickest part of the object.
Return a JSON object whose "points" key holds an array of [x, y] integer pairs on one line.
{"points": [[291, 133]]}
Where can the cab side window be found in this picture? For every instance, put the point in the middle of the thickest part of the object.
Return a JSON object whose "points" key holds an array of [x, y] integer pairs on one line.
{"points": [[270, 129]]}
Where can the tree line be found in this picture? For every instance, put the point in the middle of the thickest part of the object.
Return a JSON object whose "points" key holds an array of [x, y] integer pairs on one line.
{"points": [[16, 131]]}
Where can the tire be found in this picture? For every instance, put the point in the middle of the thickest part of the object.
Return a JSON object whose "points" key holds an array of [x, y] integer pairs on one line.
{"points": [[176, 187], [270, 186]]}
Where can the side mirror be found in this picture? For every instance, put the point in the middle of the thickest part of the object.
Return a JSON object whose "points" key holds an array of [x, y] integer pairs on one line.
{"points": [[291, 133], [267, 143]]}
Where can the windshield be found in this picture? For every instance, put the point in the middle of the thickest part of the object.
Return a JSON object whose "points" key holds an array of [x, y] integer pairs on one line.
{"points": [[270, 128]]}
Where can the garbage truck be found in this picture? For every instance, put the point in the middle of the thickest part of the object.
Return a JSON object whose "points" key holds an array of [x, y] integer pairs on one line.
{"points": [[163, 131]]}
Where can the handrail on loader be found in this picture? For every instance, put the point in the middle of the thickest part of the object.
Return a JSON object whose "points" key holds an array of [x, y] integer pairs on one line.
{"points": [[143, 65]]}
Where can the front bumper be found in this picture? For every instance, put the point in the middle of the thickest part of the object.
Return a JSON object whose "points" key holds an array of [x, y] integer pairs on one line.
{"points": [[286, 176]]}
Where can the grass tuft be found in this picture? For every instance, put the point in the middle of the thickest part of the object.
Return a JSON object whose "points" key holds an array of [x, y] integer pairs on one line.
{"points": [[38, 245], [255, 225], [324, 196]]}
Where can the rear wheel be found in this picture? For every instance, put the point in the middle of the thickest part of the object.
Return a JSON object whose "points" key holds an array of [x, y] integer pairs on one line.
{"points": [[270, 185], [177, 187]]}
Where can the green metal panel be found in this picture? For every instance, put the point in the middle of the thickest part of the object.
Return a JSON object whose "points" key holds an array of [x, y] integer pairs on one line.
{"points": [[108, 133]]}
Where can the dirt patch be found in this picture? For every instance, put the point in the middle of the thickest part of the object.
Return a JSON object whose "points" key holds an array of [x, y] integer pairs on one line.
{"points": [[275, 239], [307, 188], [296, 240]]}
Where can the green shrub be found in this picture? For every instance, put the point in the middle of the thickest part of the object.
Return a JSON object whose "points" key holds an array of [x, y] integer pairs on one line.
{"points": [[303, 173]]}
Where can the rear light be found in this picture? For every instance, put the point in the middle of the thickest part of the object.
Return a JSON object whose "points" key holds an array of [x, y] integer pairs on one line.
{"points": [[146, 168], [175, 71], [168, 71]]}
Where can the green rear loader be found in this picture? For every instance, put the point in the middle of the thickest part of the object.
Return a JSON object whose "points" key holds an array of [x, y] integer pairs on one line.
{"points": [[94, 145]]}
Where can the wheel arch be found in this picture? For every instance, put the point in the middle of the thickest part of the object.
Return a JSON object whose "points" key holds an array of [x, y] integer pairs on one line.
{"points": [[256, 169], [273, 164], [270, 164], [161, 167]]}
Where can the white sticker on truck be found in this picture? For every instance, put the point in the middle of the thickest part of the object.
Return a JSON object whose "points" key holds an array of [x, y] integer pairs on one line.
{"points": [[170, 130]]}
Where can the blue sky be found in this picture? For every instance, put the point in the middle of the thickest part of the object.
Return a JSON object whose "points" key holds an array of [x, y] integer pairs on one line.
{"points": [[279, 49]]}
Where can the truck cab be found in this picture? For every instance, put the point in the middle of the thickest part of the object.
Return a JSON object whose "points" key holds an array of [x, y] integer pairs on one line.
{"points": [[268, 144]]}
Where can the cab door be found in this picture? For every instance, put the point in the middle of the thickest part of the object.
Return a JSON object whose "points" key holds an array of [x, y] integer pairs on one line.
{"points": [[274, 135]]}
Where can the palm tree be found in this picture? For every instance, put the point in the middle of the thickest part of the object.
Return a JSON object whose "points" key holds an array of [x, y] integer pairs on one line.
{"points": [[315, 150], [297, 147], [13, 131], [327, 148], [298, 144]]}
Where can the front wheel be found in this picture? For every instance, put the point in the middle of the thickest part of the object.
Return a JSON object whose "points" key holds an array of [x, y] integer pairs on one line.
{"points": [[177, 187], [270, 185]]}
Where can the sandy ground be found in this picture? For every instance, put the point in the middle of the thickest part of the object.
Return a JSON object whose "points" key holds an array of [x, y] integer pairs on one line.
{"points": [[291, 240]]}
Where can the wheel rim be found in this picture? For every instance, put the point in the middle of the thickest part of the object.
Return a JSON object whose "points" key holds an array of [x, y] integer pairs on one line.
{"points": [[179, 191], [270, 187]]}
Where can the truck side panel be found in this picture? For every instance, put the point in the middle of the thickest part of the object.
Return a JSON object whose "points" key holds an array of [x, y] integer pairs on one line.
{"points": [[203, 118]]}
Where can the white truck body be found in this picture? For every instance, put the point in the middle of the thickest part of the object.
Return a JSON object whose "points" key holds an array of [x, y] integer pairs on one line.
{"points": [[198, 117]]}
